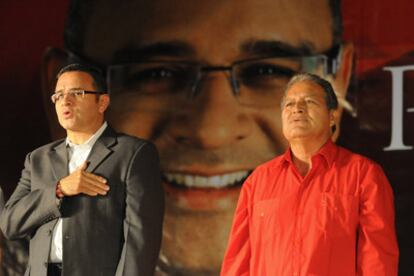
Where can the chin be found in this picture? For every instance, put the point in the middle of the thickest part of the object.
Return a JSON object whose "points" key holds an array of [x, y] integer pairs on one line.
{"points": [[196, 228]]}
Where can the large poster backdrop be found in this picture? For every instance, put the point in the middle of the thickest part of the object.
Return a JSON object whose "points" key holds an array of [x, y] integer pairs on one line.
{"points": [[198, 219]]}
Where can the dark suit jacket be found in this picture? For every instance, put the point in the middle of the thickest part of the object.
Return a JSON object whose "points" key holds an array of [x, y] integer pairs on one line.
{"points": [[116, 234]]}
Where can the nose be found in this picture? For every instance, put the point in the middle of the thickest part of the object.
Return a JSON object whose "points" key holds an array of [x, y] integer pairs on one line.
{"points": [[299, 107], [214, 118], [67, 99]]}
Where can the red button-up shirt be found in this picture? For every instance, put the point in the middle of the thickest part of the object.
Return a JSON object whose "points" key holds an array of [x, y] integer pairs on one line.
{"points": [[337, 220]]}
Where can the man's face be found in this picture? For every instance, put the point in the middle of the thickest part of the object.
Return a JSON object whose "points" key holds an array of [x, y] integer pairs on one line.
{"points": [[305, 114], [80, 114], [208, 145]]}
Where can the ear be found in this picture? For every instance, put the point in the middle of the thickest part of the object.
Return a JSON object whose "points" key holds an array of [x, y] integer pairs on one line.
{"points": [[340, 82], [53, 60], [333, 114], [334, 124], [103, 102]]}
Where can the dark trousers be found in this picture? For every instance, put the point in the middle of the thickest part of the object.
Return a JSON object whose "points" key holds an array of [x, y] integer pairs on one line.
{"points": [[54, 269]]}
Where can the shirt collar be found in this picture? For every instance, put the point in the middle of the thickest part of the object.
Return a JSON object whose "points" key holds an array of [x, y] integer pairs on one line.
{"points": [[91, 141], [327, 152]]}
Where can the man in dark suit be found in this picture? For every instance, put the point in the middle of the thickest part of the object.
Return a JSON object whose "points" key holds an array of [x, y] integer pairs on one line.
{"points": [[92, 204]]}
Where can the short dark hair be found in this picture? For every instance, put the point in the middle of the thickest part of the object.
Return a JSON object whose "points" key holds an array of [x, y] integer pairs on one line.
{"points": [[330, 96], [98, 78], [80, 11]]}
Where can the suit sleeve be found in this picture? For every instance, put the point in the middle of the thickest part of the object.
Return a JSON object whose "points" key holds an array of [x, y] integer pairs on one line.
{"points": [[144, 214], [377, 244], [236, 260], [28, 209]]}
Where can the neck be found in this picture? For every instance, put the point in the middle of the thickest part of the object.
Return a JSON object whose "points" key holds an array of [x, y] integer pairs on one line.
{"points": [[302, 152], [80, 137]]}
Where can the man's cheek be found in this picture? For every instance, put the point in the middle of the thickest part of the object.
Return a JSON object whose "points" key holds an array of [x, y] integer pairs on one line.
{"points": [[269, 123], [134, 117]]}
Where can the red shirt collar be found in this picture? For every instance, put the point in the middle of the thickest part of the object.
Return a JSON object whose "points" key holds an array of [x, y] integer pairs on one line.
{"points": [[327, 152]]}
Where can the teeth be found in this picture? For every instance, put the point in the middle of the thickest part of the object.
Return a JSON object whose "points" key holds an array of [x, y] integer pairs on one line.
{"points": [[198, 181]]}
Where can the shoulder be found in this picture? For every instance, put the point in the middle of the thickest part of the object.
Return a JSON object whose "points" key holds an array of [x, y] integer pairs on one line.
{"points": [[270, 165], [136, 142], [132, 143], [265, 170], [110, 134], [353, 159], [48, 147]]}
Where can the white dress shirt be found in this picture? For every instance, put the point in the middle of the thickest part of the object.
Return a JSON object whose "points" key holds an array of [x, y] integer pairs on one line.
{"points": [[77, 154]]}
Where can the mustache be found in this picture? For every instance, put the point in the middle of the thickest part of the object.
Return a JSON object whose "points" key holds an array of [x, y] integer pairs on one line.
{"points": [[179, 156]]}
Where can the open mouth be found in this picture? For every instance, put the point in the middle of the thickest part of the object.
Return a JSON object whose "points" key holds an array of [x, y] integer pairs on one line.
{"points": [[185, 180], [66, 113]]}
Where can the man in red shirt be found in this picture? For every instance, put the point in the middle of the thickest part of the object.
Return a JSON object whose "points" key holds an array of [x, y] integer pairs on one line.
{"points": [[318, 209]]}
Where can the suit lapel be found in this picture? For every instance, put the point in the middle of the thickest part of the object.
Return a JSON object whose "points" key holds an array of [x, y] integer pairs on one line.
{"points": [[59, 161], [102, 149]]}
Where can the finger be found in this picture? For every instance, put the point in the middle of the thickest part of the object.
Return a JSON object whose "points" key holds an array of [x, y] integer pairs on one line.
{"points": [[95, 177], [95, 185], [92, 189], [98, 187], [87, 191]]}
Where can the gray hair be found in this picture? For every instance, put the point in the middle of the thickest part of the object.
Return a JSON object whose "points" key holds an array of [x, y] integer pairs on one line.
{"points": [[330, 96]]}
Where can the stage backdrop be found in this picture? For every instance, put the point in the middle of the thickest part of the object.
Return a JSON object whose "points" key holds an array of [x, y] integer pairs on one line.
{"points": [[381, 91]]}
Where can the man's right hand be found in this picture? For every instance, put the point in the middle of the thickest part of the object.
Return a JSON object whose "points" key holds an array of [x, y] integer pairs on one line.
{"points": [[82, 182]]}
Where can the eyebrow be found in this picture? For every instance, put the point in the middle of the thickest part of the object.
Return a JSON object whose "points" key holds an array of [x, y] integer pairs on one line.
{"points": [[71, 89], [180, 49], [172, 48], [276, 48]]}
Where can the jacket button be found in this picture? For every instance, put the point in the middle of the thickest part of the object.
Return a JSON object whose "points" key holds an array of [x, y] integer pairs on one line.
{"points": [[66, 237]]}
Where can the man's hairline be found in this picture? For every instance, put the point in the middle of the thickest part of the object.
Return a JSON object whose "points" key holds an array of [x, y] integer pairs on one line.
{"points": [[94, 84], [283, 99]]}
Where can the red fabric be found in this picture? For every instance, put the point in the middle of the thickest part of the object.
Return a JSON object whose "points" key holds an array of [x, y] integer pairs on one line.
{"points": [[377, 41], [338, 220]]}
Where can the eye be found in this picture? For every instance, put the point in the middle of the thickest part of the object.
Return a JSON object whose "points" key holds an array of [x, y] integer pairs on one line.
{"points": [[266, 70], [77, 93], [265, 75], [160, 78], [58, 96], [288, 104], [311, 101], [157, 73]]}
